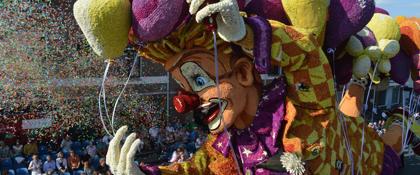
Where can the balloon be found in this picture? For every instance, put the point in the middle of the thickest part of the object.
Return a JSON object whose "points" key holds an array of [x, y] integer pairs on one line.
{"points": [[384, 27], [410, 34], [343, 69], [366, 37], [346, 17], [354, 47], [269, 9], [361, 66], [384, 66], [389, 48], [154, 19], [374, 52], [105, 24], [400, 68], [381, 10]]}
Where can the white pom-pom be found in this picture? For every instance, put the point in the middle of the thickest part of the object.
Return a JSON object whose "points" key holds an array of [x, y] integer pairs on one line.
{"points": [[292, 163]]}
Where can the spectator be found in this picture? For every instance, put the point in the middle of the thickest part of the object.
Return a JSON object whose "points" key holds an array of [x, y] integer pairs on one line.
{"points": [[87, 169], [49, 166], [73, 161], [91, 149], [35, 165], [61, 163], [17, 148], [179, 155], [101, 148], [66, 144], [4, 151], [154, 131], [30, 148], [103, 168], [106, 139]]}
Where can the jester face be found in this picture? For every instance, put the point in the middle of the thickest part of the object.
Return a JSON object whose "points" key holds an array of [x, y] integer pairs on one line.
{"points": [[234, 103]]}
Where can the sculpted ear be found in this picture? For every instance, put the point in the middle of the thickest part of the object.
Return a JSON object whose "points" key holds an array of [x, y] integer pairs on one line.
{"points": [[243, 71]]}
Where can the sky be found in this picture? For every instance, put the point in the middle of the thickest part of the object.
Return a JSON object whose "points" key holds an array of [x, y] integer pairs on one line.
{"points": [[400, 7]]}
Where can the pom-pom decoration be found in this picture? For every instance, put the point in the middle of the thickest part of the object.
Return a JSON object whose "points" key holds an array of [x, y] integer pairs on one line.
{"points": [[105, 24]]}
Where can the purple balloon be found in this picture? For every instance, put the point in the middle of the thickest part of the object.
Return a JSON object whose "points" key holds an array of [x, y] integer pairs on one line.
{"points": [[343, 69], [367, 37], [400, 68], [346, 18], [269, 9], [381, 10], [154, 19]]}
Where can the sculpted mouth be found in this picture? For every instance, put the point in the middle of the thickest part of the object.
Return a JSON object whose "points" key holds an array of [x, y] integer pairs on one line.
{"points": [[213, 113]]}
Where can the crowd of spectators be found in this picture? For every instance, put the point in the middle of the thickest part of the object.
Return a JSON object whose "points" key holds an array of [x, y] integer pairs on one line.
{"points": [[173, 141]]}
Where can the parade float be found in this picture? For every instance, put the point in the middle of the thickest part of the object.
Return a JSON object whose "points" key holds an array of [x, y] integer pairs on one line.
{"points": [[299, 123]]}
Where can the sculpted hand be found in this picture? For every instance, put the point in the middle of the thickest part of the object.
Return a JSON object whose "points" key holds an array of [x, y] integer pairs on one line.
{"points": [[121, 160], [230, 24]]}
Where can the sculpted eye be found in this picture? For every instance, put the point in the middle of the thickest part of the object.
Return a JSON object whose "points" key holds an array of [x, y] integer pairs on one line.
{"points": [[196, 77], [200, 80]]}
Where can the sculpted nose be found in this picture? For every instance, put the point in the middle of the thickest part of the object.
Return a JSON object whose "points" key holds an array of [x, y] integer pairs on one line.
{"points": [[185, 102]]}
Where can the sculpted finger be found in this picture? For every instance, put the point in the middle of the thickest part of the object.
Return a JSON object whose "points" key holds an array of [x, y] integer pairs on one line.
{"points": [[113, 154], [195, 5], [124, 150], [132, 167]]}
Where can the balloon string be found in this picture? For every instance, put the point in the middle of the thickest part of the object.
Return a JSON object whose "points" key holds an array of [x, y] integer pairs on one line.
{"points": [[365, 108], [102, 93], [122, 91], [340, 115], [216, 63], [403, 124]]}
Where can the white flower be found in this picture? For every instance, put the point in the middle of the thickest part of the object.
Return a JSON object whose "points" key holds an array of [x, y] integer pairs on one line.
{"points": [[292, 163]]}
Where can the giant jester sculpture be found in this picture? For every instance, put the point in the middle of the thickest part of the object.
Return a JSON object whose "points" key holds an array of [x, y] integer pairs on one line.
{"points": [[217, 50]]}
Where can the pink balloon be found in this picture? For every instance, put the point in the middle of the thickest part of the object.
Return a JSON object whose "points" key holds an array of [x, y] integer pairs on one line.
{"points": [[400, 68], [154, 19], [416, 86]]}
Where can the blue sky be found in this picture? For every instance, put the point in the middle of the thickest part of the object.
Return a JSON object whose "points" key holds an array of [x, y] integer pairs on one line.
{"points": [[400, 7]]}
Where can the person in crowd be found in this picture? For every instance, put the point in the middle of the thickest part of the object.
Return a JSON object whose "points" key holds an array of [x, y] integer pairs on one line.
{"points": [[4, 151], [17, 148], [66, 144], [103, 168], [106, 139], [101, 148], [154, 131], [30, 148], [179, 155], [73, 161], [35, 165], [87, 169], [91, 149], [61, 163], [49, 166]]}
